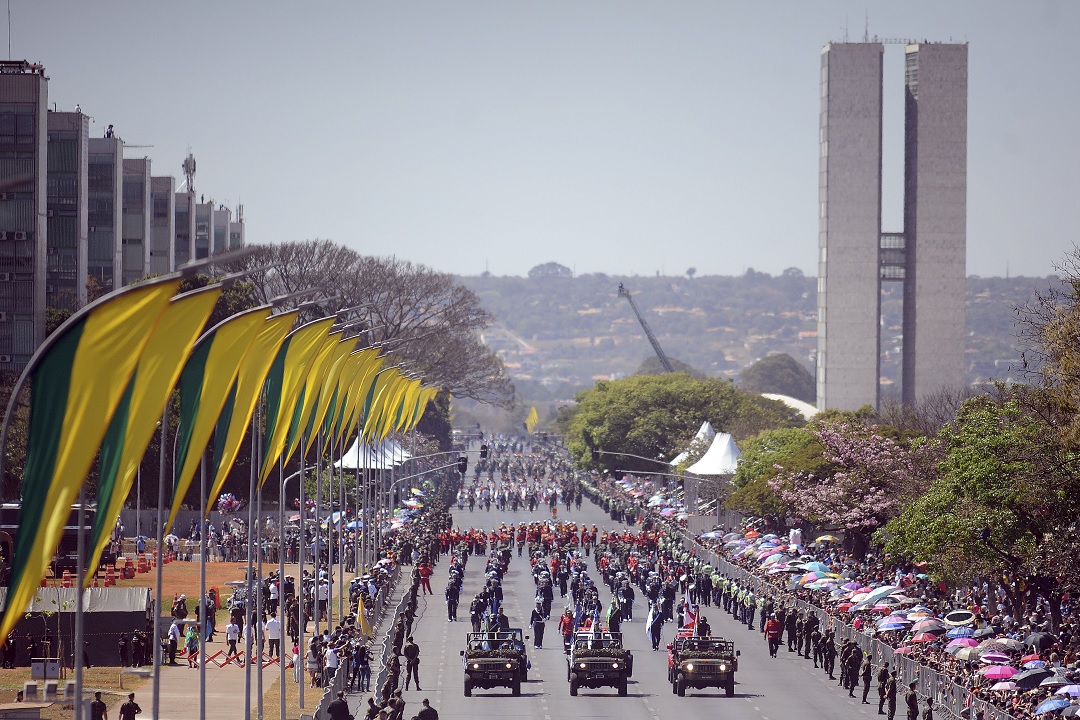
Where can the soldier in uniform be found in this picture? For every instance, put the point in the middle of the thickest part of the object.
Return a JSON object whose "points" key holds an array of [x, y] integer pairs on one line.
{"points": [[845, 658], [852, 673], [829, 653], [816, 647], [912, 699], [882, 685], [867, 672], [810, 625], [800, 625], [792, 628], [890, 693]]}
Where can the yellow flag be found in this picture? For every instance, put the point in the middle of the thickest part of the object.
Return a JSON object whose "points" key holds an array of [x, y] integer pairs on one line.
{"points": [[77, 381]]}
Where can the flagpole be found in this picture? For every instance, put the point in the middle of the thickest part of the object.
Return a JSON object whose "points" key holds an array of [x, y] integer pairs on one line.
{"points": [[76, 654], [259, 602], [160, 533], [202, 585], [281, 588], [301, 623], [318, 527], [341, 534], [250, 599]]}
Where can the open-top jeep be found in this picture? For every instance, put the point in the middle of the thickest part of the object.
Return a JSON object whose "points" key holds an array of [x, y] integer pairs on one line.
{"points": [[495, 659], [697, 662], [599, 660]]}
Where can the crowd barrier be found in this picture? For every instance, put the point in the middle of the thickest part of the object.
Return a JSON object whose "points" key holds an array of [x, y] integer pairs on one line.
{"points": [[948, 696]]}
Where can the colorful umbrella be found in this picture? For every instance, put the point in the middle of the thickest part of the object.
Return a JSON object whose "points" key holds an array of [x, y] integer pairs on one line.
{"points": [[957, 618], [1032, 664], [994, 658], [999, 672], [924, 637], [892, 626], [962, 642], [1052, 705], [816, 567], [932, 625], [1070, 690], [827, 539], [960, 632], [1004, 685], [905, 650]]}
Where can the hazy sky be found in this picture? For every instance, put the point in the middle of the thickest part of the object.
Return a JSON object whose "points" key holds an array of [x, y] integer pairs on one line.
{"points": [[625, 137]]}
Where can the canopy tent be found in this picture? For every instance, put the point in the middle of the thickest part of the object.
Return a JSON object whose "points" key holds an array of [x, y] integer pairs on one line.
{"points": [[383, 456], [804, 408], [721, 458], [706, 432]]}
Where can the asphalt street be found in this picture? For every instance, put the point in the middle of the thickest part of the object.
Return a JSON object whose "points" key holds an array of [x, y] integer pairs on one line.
{"points": [[766, 688]]}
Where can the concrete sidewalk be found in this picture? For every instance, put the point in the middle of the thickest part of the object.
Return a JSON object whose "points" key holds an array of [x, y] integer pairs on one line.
{"points": [[179, 693]]}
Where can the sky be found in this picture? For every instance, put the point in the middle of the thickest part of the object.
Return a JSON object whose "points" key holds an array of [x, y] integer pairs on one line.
{"points": [[625, 137]]}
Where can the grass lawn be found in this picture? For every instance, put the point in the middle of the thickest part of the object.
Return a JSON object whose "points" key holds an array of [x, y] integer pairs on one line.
{"points": [[106, 679]]}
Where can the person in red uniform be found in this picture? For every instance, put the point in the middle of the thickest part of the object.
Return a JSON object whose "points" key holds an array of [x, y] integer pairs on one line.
{"points": [[772, 634], [425, 578]]}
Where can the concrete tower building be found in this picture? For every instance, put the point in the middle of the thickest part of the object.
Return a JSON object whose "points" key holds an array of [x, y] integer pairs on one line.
{"points": [[855, 256]]}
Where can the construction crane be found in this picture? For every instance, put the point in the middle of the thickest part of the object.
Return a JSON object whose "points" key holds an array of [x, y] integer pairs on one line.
{"points": [[623, 292]]}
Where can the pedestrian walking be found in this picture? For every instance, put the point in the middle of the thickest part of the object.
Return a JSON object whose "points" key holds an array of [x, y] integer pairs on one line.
{"points": [[130, 709]]}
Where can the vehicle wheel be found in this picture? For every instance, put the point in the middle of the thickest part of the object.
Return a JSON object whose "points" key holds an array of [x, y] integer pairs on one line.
{"points": [[468, 688], [573, 688], [622, 687], [680, 685], [731, 686], [515, 689]]}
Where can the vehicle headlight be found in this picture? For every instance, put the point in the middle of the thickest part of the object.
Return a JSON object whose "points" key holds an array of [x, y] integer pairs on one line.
{"points": [[476, 666], [723, 667], [615, 665], [581, 665], [690, 666], [508, 666]]}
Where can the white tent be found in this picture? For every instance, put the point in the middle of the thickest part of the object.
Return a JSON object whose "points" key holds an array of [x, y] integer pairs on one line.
{"points": [[805, 409], [384, 456], [721, 458], [704, 433]]}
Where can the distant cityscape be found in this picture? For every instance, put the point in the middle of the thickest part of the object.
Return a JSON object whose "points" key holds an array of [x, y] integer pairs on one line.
{"points": [[81, 216], [559, 335]]}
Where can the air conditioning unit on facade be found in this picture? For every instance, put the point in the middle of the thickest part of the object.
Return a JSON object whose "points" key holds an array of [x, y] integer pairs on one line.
{"points": [[5, 358], [20, 236]]}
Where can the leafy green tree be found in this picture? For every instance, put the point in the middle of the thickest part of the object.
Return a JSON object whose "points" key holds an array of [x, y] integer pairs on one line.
{"points": [[764, 458], [550, 270], [1004, 504], [780, 374], [651, 366], [655, 416]]}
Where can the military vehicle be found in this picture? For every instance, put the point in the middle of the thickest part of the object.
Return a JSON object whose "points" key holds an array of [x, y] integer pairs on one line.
{"points": [[697, 662], [598, 659], [495, 659]]}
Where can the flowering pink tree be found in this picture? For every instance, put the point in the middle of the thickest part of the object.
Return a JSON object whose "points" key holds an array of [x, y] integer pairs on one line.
{"points": [[867, 480]]}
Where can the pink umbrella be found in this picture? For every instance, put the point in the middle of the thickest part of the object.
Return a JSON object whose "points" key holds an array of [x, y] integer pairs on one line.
{"points": [[995, 658], [999, 672], [905, 650], [927, 625], [924, 637], [1004, 685], [965, 642]]}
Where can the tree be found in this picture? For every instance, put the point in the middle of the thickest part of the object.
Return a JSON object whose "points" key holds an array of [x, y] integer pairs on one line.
{"points": [[651, 366], [691, 272], [550, 270], [655, 416], [764, 457], [427, 319], [866, 479], [781, 374], [1004, 503]]}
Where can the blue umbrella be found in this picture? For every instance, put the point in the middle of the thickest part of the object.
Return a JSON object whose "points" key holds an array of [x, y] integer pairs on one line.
{"points": [[960, 632], [892, 626], [1034, 664], [1053, 705], [816, 567]]}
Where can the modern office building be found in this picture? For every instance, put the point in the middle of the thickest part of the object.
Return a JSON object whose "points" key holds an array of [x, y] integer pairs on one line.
{"points": [[204, 228], [162, 224], [222, 221], [106, 185], [184, 249], [856, 255], [67, 215], [24, 98], [137, 209]]}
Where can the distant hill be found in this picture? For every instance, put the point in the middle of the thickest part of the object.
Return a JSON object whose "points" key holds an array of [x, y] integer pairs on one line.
{"points": [[558, 334]]}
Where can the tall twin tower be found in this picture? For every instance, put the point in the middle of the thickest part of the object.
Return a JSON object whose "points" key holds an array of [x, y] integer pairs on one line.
{"points": [[856, 256]]}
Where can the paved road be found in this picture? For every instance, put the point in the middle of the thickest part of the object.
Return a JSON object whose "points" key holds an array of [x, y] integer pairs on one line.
{"points": [[766, 689]]}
